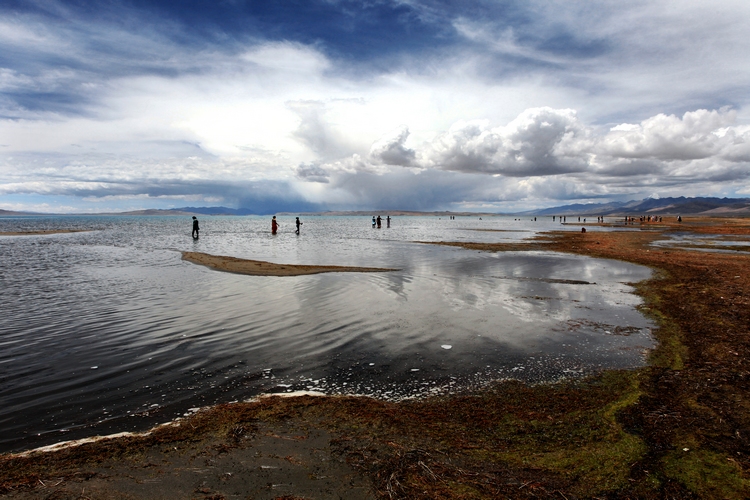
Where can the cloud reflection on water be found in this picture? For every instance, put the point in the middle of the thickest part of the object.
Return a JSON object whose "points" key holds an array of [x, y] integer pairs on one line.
{"points": [[167, 335]]}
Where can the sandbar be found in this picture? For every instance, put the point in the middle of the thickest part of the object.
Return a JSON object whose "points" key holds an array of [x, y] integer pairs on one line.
{"points": [[41, 232], [262, 268]]}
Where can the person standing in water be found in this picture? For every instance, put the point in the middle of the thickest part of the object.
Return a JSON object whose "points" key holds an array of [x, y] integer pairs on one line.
{"points": [[274, 225], [196, 229], [387, 221], [373, 221], [298, 224], [378, 221]]}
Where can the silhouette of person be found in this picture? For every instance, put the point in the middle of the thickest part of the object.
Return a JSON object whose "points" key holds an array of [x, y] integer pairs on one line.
{"points": [[388, 221], [274, 225], [196, 229], [298, 224], [378, 221], [373, 221]]}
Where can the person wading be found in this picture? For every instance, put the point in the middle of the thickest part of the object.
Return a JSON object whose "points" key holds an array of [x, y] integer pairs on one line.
{"points": [[196, 229]]}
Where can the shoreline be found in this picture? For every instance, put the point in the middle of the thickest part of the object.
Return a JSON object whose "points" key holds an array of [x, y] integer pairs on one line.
{"points": [[262, 268], [676, 428]]}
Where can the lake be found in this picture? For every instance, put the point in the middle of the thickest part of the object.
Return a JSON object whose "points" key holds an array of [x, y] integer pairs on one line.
{"points": [[109, 330]]}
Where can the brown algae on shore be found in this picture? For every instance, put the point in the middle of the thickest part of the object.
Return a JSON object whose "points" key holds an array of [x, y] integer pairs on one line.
{"points": [[262, 268], [677, 428]]}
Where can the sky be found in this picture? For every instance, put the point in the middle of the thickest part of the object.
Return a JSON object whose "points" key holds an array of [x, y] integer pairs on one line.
{"points": [[298, 106]]}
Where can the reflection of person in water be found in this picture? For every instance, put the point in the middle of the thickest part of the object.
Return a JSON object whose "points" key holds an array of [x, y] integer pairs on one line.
{"points": [[274, 225], [298, 224], [196, 229]]}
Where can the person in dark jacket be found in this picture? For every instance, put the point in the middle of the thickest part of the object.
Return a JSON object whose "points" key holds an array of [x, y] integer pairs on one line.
{"points": [[196, 229]]}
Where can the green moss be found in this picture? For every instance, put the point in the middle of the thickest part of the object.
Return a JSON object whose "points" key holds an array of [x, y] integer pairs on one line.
{"points": [[588, 447], [670, 352], [706, 473], [600, 466]]}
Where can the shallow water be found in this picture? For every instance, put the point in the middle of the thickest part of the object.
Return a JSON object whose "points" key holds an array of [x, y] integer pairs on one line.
{"points": [[109, 330], [716, 243]]}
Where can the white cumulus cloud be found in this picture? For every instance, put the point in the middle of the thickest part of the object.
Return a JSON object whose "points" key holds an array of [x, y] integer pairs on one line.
{"points": [[540, 141]]}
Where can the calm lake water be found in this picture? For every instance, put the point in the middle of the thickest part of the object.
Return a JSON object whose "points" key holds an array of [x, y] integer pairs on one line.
{"points": [[109, 330]]}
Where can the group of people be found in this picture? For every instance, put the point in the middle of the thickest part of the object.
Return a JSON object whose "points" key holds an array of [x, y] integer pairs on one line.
{"points": [[377, 221], [274, 226], [647, 218]]}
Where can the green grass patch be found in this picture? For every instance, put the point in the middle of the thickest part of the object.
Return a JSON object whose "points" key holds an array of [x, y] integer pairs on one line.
{"points": [[587, 446], [670, 352], [706, 473]]}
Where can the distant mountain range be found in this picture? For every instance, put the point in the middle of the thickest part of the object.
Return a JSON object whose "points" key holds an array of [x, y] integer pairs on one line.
{"points": [[662, 206], [650, 206]]}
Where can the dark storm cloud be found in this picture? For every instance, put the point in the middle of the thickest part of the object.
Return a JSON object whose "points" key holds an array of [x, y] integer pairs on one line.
{"points": [[267, 197], [312, 173], [428, 190], [258, 197]]}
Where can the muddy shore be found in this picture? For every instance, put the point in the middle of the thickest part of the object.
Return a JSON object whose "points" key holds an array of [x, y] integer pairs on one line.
{"points": [[678, 428]]}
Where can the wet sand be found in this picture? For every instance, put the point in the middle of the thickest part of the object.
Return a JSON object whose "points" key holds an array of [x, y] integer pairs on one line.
{"points": [[261, 268], [678, 428], [259, 460]]}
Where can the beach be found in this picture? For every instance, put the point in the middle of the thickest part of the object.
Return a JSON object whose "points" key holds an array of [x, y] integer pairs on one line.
{"points": [[676, 427]]}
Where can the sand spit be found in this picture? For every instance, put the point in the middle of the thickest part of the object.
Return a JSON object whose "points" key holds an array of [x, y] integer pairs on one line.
{"points": [[42, 232], [261, 268]]}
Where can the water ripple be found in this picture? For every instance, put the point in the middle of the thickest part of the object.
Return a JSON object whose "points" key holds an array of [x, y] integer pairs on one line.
{"points": [[109, 330]]}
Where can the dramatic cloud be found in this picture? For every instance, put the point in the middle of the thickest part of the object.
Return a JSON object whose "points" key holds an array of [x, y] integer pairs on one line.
{"points": [[695, 136], [486, 106], [540, 141], [391, 150], [312, 173]]}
